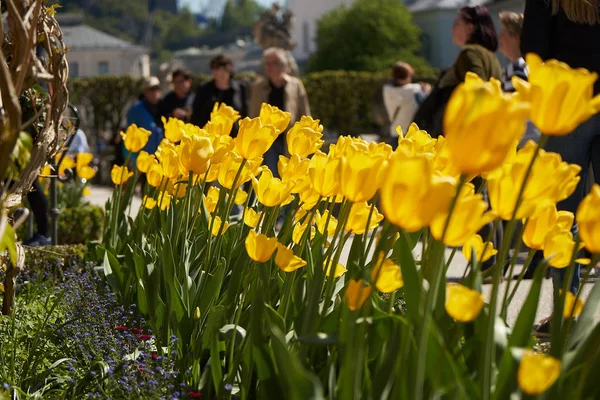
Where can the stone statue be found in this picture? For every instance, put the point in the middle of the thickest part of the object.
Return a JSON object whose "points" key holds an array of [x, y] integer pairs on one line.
{"points": [[273, 30]]}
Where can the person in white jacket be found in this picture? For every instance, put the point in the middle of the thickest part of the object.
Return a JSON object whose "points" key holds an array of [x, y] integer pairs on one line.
{"points": [[402, 97]]}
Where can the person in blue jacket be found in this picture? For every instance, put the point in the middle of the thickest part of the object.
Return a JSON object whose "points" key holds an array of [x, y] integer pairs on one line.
{"points": [[145, 115]]}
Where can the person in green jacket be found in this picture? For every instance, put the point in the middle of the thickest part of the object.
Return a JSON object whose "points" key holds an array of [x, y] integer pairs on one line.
{"points": [[473, 31]]}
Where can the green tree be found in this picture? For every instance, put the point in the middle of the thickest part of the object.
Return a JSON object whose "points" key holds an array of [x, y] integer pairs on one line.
{"points": [[239, 13], [367, 36]]}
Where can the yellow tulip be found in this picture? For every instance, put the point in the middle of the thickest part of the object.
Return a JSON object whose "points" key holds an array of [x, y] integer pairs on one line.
{"points": [[298, 231], [223, 116], [46, 170], [308, 199], [84, 159], [588, 220], [195, 153], [295, 170], [148, 202], [85, 172], [135, 138], [468, 217], [222, 145], [538, 227], [573, 306], [356, 294], [477, 141], [86, 191], [154, 175], [67, 163], [386, 275], [216, 226], [560, 97], [177, 189], [164, 200], [324, 174], [416, 141], [411, 194], [359, 214], [286, 260], [442, 160], [476, 243], [559, 247], [305, 137], [251, 217], [360, 174], [537, 372], [338, 150], [240, 197], [326, 223], [271, 191], [260, 248], [270, 115], [254, 138], [163, 147], [174, 129], [462, 303], [212, 199], [565, 220], [144, 161], [339, 271], [228, 170], [120, 175], [170, 164]]}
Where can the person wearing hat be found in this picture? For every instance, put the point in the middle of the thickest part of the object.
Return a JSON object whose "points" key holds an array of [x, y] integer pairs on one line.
{"points": [[145, 114]]}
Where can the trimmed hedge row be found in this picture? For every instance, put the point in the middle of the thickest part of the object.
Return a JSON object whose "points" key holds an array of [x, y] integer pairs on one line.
{"points": [[342, 100]]}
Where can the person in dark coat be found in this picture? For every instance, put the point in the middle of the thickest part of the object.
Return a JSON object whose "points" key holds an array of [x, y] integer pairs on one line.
{"points": [[221, 89], [178, 102]]}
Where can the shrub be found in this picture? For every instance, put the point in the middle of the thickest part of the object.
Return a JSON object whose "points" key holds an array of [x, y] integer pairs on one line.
{"points": [[80, 225]]}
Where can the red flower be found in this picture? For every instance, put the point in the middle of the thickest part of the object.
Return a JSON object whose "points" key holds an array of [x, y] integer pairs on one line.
{"points": [[137, 331], [145, 337], [154, 355], [195, 394], [121, 328]]}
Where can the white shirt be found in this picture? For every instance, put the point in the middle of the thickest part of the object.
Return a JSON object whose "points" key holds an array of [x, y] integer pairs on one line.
{"points": [[401, 105], [79, 143]]}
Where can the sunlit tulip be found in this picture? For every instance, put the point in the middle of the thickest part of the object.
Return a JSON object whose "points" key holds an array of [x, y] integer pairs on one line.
{"points": [[537, 372], [174, 129], [588, 220], [271, 191], [308, 199], [216, 226], [211, 199], [251, 217], [559, 247], [85, 172], [135, 138], [260, 248], [339, 271], [195, 153], [415, 141], [223, 117], [164, 200], [222, 146], [177, 189], [468, 217], [538, 227], [357, 294], [229, 168], [463, 304], [295, 170], [298, 231], [560, 97], [144, 161], [324, 174], [573, 305], [254, 138], [411, 194], [84, 159], [271, 115], [86, 191], [304, 138], [386, 275], [46, 170], [120, 175], [154, 176], [148, 202], [338, 150], [67, 163], [286, 260], [358, 217], [240, 197], [442, 161], [164, 146], [360, 174], [477, 141], [170, 164], [476, 243], [326, 223]]}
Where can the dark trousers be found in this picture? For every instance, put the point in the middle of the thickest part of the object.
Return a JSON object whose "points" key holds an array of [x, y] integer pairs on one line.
{"points": [[39, 206]]}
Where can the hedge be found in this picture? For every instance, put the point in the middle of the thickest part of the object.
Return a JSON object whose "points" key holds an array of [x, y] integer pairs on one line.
{"points": [[342, 100]]}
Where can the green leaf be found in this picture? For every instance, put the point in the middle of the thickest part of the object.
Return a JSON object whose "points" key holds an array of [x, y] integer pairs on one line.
{"points": [[230, 331], [114, 272], [585, 322], [412, 282], [9, 241]]}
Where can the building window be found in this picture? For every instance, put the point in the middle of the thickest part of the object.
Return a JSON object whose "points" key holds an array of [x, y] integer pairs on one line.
{"points": [[73, 70], [103, 68], [305, 38]]}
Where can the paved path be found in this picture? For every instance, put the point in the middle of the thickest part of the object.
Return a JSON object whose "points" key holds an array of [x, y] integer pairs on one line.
{"points": [[101, 194]]}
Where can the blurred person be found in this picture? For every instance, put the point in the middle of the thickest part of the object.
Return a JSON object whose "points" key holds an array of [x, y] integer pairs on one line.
{"points": [[79, 144], [283, 91], [221, 89], [473, 31], [565, 30], [178, 102], [145, 114], [402, 97]]}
